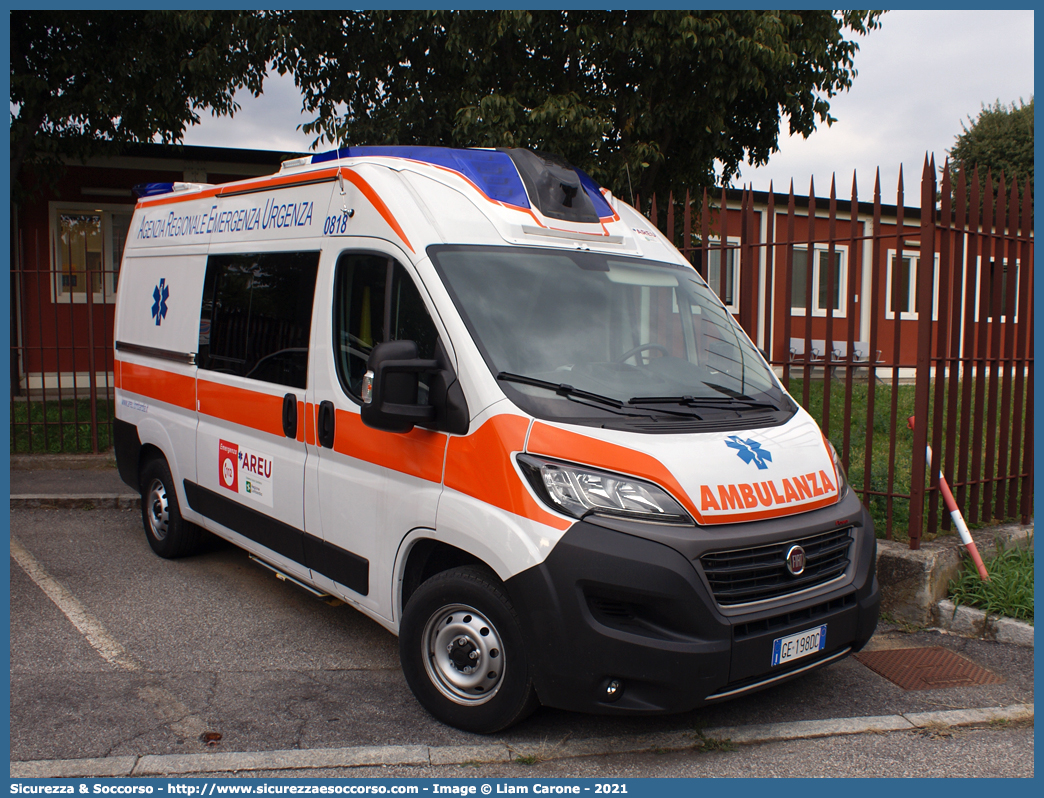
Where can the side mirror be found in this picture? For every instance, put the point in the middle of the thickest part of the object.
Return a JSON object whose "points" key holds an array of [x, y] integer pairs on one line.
{"points": [[390, 387], [391, 391]]}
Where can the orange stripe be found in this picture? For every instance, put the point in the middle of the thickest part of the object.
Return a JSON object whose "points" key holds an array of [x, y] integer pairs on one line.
{"points": [[116, 378], [309, 424], [259, 411], [163, 386], [554, 442], [775, 512], [377, 203], [260, 184], [277, 181], [168, 199], [418, 453], [480, 466]]}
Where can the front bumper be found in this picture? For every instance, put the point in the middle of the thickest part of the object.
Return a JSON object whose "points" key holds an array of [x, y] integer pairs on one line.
{"points": [[631, 604]]}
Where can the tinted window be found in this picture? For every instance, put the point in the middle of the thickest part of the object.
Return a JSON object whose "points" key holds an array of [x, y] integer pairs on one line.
{"points": [[375, 300], [257, 316]]}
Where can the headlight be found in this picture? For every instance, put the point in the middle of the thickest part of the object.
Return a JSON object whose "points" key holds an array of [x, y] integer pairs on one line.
{"points": [[842, 478], [577, 491]]}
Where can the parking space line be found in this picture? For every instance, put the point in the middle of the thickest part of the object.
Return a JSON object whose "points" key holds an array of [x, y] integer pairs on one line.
{"points": [[90, 627], [167, 707]]}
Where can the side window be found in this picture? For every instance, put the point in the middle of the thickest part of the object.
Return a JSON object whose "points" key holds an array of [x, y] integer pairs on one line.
{"points": [[257, 316], [375, 300]]}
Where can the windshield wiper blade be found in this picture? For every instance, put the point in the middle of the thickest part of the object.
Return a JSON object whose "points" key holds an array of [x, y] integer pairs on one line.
{"points": [[578, 395], [701, 401], [566, 391], [561, 388]]}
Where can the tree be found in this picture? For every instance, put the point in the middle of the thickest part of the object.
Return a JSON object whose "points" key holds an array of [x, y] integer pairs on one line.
{"points": [[84, 82], [635, 98], [999, 140]]}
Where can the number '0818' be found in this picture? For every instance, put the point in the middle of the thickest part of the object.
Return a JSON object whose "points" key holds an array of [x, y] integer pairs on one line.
{"points": [[335, 224]]}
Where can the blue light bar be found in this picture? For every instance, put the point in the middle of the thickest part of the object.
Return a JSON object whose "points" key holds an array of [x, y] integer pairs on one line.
{"points": [[152, 189], [594, 191], [492, 171]]}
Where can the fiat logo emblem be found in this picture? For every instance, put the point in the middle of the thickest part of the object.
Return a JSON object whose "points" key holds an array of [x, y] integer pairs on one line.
{"points": [[796, 560]]}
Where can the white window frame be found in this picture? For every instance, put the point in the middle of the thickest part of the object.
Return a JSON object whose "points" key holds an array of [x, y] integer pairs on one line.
{"points": [[732, 262], [978, 287], [797, 311], [915, 263], [110, 266]]}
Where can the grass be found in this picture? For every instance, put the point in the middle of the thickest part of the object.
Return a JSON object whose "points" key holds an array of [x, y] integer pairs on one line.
{"points": [[58, 427], [1009, 591], [901, 465], [714, 744]]}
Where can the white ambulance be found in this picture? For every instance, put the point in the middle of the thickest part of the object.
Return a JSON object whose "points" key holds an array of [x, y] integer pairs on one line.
{"points": [[487, 404]]}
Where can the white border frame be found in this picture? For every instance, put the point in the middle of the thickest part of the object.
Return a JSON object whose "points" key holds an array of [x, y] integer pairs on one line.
{"points": [[798, 311], [54, 208]]}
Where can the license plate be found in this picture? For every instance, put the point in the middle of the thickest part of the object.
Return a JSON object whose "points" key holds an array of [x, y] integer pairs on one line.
{"points": [[785, 649]]}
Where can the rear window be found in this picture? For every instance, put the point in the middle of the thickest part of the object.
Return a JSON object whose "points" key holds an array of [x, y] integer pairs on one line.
{"points": [[257, 316]]}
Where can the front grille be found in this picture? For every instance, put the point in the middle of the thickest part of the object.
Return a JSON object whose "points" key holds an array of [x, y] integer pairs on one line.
{"points": [[743, 576]]}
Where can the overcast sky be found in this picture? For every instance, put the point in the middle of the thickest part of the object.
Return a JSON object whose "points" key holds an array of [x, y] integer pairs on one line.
{"points": [[921, 75]]}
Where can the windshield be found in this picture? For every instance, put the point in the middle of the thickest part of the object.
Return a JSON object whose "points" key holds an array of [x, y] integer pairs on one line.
{"points": [[574, 334]]}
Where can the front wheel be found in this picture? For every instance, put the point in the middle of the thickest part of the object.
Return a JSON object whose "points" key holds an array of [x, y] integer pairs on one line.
{"points": [[461, 649]]}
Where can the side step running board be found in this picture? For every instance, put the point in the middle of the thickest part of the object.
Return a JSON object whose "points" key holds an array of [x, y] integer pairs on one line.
{"points": [[287, 578]]}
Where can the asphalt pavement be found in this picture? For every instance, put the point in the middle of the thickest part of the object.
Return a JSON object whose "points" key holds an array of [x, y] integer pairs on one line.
{"points": [[124, 662]]}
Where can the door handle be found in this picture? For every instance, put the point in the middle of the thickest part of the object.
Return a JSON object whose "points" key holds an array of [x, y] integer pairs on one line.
{"points": [[290, 415], [325, 431]]}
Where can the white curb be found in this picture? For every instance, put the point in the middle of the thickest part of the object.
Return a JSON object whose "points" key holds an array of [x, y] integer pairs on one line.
{"points": [[429, 756], [970, 622]]}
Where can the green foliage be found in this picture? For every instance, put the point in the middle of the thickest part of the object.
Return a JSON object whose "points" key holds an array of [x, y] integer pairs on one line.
{"points": [[656, 95], [1009, 591], [999, 140], [83, 82], [632, 97]]}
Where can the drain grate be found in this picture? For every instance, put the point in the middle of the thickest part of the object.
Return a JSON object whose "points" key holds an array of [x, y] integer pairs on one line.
{"points": [[931, 668]]}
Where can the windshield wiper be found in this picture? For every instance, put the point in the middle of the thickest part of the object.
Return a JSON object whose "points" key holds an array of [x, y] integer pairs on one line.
{"points": [[701, 401], [578, 395], [572, 394]]}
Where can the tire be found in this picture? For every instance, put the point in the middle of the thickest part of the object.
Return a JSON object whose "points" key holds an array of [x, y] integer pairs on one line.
{"points": [[454, 619], [169, 535]]}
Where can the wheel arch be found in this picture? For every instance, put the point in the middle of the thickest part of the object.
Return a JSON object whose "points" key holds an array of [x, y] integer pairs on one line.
{"points": [[425, 557]]}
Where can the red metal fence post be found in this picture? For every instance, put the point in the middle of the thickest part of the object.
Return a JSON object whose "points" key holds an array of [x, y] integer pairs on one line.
{"points": [[924, 355]]}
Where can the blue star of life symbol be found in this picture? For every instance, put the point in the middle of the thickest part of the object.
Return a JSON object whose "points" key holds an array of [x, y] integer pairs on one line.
{"points": [[159, 305], [749, 451]]}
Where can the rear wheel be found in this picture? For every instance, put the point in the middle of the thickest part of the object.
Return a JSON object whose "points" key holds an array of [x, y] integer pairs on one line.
{"points": [[168, 533], [461, 648]]}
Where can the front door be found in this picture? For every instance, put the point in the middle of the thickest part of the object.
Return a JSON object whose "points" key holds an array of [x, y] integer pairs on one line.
{"points": [[372, 487]]}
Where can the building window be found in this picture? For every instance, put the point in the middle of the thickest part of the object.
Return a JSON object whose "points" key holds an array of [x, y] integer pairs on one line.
{"points": [[728, 295], [1009, 270], [821, 298], [901, 286], [87, 247]]}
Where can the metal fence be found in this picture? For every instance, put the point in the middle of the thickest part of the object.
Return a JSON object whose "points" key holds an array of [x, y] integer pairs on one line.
{"points": [[951, 345], [61, 347]]}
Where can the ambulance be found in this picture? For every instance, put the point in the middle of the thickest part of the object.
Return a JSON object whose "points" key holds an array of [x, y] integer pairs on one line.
{"points": [[484, 402]]}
